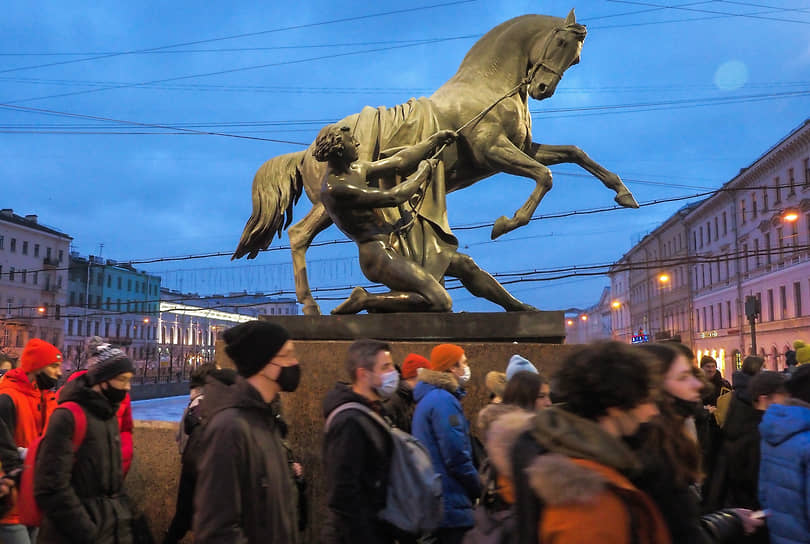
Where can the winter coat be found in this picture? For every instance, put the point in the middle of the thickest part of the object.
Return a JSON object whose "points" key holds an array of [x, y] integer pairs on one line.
{"points": [[357, 459], [735, 478], [24, 413], [784, 472], [244, 492], [125, 425], [569, 481], [400, 406], [718, 383], [439, 423], [81, 494]]}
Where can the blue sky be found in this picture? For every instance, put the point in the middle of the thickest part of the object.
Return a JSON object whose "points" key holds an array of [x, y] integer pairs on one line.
{"points": [[147, 195]]}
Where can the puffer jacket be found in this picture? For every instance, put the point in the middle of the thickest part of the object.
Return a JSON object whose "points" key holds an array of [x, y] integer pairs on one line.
{"points": [[24, 413], [244, 492], [125, 425], [570, 487], [81, 494], [439, 423], [784, 471]]}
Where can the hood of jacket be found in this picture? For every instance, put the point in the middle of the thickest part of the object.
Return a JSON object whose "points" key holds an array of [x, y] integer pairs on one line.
{"points": [[78, 391], [783, 421], [341, 394], [17, 380], [492, 412], [431, 379], [220, 396], [742, 418], [560, 481]]}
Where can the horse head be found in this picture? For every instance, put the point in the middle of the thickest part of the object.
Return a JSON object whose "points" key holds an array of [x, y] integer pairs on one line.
{"points": [[552, 54]]}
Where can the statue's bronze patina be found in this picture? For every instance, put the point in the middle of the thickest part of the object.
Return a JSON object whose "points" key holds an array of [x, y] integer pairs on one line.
{"points": [[486, 104]]}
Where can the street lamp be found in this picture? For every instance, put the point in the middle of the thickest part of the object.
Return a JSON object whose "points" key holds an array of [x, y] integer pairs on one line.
{"points": [[569, 322], [616, 304], [790, 216], [584, 317], [663, 278]]}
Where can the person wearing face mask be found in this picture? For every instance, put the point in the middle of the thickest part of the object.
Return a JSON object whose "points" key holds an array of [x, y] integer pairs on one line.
{"points": [[245, 491], [671, 459], [439, 423], [357, 451], [26, 402], [80, 491]]}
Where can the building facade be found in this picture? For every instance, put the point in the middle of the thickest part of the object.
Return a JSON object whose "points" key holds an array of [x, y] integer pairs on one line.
{"points": [[690, 277], [590, 324], [33, 282]]}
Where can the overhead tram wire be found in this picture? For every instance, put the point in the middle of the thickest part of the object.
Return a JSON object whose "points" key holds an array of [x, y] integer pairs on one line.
{"points": [[758, 16], [242, 35]]}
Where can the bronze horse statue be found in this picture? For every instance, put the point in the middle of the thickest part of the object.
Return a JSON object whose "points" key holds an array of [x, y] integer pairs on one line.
{"points": [[486, 101]]}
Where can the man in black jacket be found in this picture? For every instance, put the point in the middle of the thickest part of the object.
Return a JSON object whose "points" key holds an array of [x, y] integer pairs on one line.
{"points": [[357, 450], [245, 492], [81, 492]]}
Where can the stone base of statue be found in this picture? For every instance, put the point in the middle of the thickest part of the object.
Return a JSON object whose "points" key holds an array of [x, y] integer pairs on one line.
{"points": [[535, 327]]}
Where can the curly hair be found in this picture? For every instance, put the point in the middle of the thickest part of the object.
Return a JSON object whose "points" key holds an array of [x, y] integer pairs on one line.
{"points": [[328, 143], [605, 375]]}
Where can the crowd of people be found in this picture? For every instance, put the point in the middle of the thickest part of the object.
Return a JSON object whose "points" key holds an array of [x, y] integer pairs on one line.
{"points": [[622, 444]]}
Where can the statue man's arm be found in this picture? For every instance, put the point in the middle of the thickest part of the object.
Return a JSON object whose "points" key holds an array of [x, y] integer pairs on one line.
{"points": [[407, 159], [353, 196]]}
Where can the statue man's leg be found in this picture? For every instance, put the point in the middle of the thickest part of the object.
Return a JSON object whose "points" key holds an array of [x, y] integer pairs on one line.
{"points": [[412, 289], [481, 284]]}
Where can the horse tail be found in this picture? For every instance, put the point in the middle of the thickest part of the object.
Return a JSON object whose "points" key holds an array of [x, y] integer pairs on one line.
{"points": [[277, 186]]}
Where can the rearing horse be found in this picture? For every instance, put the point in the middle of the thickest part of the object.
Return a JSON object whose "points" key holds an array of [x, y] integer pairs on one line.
{"points": [[487, 102]]}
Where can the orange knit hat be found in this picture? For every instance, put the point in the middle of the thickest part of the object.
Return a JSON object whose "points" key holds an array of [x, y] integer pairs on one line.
{"points": [[444, 356], [38, 354], [411, 364]]}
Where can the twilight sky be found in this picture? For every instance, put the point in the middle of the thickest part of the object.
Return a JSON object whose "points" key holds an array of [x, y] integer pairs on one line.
{"points": [[699, 89]]}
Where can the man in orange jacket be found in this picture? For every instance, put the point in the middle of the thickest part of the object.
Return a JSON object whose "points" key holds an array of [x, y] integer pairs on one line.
{"points": [[26, 402]]}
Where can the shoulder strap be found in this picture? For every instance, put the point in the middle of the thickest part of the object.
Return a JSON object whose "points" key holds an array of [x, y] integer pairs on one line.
{"points": [[359, 407], [80, 423]]}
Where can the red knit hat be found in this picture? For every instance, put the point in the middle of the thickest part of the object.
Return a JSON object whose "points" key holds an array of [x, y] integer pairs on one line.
{"points": [[444, 356], [38, 354], [411, 364]]}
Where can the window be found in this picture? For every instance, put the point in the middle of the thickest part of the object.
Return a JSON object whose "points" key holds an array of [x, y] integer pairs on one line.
{"points": [[95, 327], [708, 232], [36, 277], [754, 209], [730, 316], [719, 315], [694, 239], [711, 316], [72, 298], [108, 305], [697, 320], [13, 245], [770, 304], [757, 257], [743, 214], [768, 247], [781, 243], [25, 247], [109, 281], [716, 230], [2, 242], [24, 276], [61, 255], [36, 250], [705, 321], [797, 296], [791, 182], [795, 235], [806, 179], [119, 283], [11, 274], [783, 302], [745, 258], [765, 201], [129, 285], [725, 224], [778, 190], [701, 237], [70, 327], [100, 279]]}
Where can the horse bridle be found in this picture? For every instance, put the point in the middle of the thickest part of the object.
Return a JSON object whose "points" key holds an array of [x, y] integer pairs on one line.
{"points": [[542, 62]]}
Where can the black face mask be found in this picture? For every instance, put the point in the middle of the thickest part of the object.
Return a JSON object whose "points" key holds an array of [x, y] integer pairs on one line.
{"points": [[45, 382], [113, 394], [685, 408], [288, 378]]}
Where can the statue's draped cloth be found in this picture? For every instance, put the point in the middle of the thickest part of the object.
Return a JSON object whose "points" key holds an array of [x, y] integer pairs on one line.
{"points": [[423, 237]]}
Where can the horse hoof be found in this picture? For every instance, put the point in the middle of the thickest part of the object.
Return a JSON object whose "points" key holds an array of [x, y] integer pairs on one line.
{"points": [[627, 200], [501, 227]]}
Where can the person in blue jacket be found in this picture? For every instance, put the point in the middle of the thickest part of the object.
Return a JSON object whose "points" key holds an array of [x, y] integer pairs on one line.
{"points": [[784, 471], [439, 423]]}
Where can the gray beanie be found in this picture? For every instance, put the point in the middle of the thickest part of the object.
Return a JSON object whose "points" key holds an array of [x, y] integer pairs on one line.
{"points": [[519, 364], [109, 363]]}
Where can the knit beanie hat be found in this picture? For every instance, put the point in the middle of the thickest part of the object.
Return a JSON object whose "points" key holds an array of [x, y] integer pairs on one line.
{"points": [[444, 356], [495, 382], [519, 364], [802, 352], [411, 364], [38, 354], [110, 362], [251, 345], [95, 346]]}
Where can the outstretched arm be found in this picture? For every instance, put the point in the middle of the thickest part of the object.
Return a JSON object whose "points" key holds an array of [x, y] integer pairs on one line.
{"points": [[352, 196], [407, 159]]}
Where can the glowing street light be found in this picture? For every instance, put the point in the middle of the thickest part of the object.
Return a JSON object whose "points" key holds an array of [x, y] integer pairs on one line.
{"points": [[570, 322], [584, 317], [616, 304], [663, 278], [41, 309], [790, 217], [146, 320]]}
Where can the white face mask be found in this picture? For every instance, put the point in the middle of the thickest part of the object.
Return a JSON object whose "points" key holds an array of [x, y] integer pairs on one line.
{"points": [[388, 384], [465, 376]]}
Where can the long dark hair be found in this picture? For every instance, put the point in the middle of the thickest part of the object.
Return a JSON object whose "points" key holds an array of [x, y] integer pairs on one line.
{"points": [[522, 389], [665, 438]]}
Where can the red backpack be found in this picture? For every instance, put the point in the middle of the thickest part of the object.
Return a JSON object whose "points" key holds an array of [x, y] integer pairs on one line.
{"points": [[29, 511]]}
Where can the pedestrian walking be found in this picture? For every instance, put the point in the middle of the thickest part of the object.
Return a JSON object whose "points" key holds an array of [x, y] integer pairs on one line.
{"points": [[400, 405], [529, 390], [245, 492]]}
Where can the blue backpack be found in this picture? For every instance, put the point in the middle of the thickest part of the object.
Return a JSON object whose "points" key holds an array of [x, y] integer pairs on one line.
{"points": [[414, 498]]}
